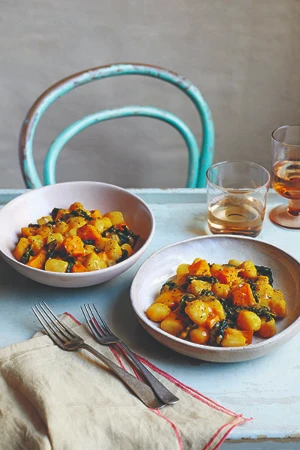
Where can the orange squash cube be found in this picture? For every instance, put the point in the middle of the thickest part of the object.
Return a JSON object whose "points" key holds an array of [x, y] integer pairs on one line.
{"points": [[78, 267], [200, 267], [211, 320], [227, 275], [73, 246], [28, 231], [77, 205], [242, 295], [170, 298], [88, 233], [248, 335], [39, 260]]}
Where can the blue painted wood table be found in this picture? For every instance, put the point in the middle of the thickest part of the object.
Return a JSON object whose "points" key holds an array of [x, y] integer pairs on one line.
{"points": [[266, 389]]}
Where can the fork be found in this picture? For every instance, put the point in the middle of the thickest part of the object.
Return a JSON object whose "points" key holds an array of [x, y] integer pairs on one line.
{"points": [[68, 340], [105, 336]]}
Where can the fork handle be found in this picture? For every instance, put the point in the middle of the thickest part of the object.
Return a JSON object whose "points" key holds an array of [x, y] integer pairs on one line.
{"points": [[141, 389], [160, 390]]}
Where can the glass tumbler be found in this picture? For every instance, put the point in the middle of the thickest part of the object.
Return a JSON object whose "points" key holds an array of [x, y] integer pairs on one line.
{"points": [[236, 197]]}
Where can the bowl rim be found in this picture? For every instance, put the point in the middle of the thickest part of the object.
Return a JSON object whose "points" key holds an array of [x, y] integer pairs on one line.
{"points": [[207, 348], [32, 192]]}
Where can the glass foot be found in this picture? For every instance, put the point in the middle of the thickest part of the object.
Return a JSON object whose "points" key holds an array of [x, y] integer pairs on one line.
{"points": [[280, 216]]}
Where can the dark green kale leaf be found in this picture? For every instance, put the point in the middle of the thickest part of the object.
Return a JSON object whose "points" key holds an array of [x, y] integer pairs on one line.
{"points": [[123, 257], [168, 284], [265, 271], [217, 332], [26, 255]]}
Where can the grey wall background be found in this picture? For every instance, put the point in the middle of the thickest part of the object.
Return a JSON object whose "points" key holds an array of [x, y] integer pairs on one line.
{"points": [[244, 55]]}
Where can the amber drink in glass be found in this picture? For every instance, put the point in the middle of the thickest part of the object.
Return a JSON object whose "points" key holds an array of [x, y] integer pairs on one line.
{"points": [[286, 175], [236, 197]]}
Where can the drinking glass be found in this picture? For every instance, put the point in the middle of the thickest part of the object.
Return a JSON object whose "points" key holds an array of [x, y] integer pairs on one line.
{"points": [[286, 175], [236, 197]]}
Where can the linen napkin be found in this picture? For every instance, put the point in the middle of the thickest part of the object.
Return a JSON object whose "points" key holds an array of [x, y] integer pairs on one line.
{"points": [[58, 400]]}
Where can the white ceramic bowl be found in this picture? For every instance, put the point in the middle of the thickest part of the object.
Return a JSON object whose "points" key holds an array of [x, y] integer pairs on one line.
{"points": [[162, 264], [36, 203]]}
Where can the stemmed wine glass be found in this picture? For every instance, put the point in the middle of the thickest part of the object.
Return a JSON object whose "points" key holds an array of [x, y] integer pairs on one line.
{"points": [[286, 175]]}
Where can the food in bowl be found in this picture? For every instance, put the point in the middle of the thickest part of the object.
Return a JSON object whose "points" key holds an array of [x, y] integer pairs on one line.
{"points": [[75, 240], [35, 203], [219, 304]]}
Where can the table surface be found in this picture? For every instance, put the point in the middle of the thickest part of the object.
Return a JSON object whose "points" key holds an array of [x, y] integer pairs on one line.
{"points": [[265, 389]]}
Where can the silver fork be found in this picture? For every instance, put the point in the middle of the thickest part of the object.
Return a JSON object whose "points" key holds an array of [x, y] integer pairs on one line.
{"points": [[68, 340], [105, 336]]}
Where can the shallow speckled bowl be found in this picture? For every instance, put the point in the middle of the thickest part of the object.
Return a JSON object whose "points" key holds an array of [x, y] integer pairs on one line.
{"points": [[162, 264], [36, 203]]}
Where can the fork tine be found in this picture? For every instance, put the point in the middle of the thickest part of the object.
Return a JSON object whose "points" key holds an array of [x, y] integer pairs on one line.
{"points": [[63, 328], [52, 322], [94, 325], [103, 325], [47, 326], [89, 319], [85, 313]]}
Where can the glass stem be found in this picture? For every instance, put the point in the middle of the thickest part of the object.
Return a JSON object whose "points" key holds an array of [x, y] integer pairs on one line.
{"points": [[294, 207]]}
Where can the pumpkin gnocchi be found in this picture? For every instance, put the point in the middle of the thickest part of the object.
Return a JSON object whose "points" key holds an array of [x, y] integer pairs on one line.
{"points": [[219, 304], [75, 240]]}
